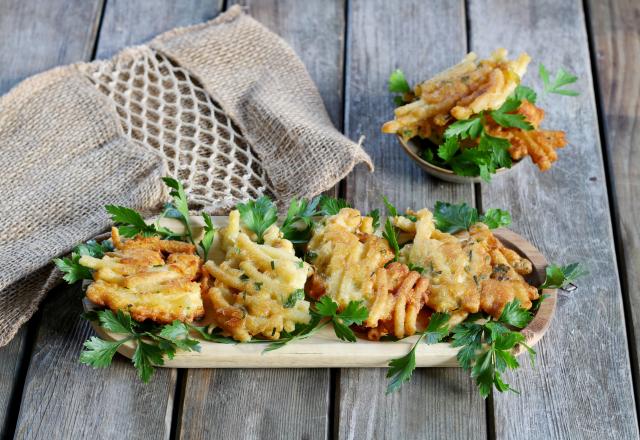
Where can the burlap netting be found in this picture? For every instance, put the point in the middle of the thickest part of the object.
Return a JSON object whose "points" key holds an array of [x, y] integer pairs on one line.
{"points": [[225, 106]]}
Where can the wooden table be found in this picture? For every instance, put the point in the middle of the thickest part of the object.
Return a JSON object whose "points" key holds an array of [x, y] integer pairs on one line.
{"points": [[586, 208]]}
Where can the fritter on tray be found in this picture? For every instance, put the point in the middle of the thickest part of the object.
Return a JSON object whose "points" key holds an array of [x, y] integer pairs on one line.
{"points": [[257, 289], [149, 278], [469, 271], [349, 262]]}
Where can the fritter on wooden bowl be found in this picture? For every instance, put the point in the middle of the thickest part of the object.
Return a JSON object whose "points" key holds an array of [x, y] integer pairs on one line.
{"points": [[475, 119]]}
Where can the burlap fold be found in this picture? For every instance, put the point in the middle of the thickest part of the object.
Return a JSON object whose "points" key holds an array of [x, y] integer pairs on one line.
{"points": [[225, 106]]}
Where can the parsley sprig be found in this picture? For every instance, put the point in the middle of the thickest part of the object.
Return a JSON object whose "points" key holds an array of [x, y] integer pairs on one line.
{"points": [[398, 84], [560, 277], [562, 78], [298, 224], [258, 215], [391, 236], [130, 223], [454, 218], [209, 235], [71, 267], [153, 342], [486, 348], [180, 203], [354, 313], [401, 369], [331, 206]]}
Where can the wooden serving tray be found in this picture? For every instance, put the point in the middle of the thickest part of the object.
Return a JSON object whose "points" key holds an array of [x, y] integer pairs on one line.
{"points": [[324, 349]]}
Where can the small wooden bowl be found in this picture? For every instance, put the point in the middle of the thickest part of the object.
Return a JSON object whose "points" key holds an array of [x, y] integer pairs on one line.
{"points": [[414, 150], [324, 350]]}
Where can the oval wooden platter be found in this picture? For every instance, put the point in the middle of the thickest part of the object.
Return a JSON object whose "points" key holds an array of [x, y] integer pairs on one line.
{"points": [[325, 350]]}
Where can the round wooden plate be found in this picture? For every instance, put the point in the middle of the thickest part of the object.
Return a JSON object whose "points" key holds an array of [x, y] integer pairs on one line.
{"points": [[324, 350]]}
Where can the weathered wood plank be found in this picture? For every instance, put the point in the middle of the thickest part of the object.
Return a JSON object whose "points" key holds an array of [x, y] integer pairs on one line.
{"points": [[581, 386], [36, 36], [63, 399], [385, 35], [128, 23], [10, 384], [280, 400], [318, 41], [615, 33]]}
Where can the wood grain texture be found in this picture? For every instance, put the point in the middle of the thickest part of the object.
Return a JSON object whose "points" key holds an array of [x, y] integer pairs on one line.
{"points": [[267, 404], [315, 31], [63, 399], [581, 386], [129, 23], [10, 364], [280, 400], [39, 35], [615, 32], [384, 35]]}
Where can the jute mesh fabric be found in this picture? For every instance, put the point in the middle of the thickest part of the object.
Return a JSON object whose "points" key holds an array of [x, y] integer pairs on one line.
{"points": [[161, 106], [225, 106]]}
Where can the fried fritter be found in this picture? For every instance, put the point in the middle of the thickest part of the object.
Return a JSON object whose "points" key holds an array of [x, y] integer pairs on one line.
{"points": [[399, 296], [350, 266], [139, 279], [347, 254], [454, 268], [458, 93], [468, 271], [506, 281], [539, 144], [252, 287]]}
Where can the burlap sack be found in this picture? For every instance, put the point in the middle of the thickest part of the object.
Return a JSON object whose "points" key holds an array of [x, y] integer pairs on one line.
{"points": [[225, 106]]}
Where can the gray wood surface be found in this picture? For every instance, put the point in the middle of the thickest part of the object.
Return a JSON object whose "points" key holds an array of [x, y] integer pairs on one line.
{"points": [[10, 384], [255, 404], [315, 31], [280, 400], [615, 30], [581, 386], [129, 23], [39, 35], [384, 35], [61, 397], [36, 36]]}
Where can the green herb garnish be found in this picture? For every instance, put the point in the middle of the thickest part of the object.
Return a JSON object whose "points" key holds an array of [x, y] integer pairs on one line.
{"points": [[401, 369], [454, 218], [389, 234], [559, 277], [562, 78], [258, 216], [71, 267], [298, 223], [209, 234], [152, 342], [331, 206], [293, 298], [486, 348]]}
